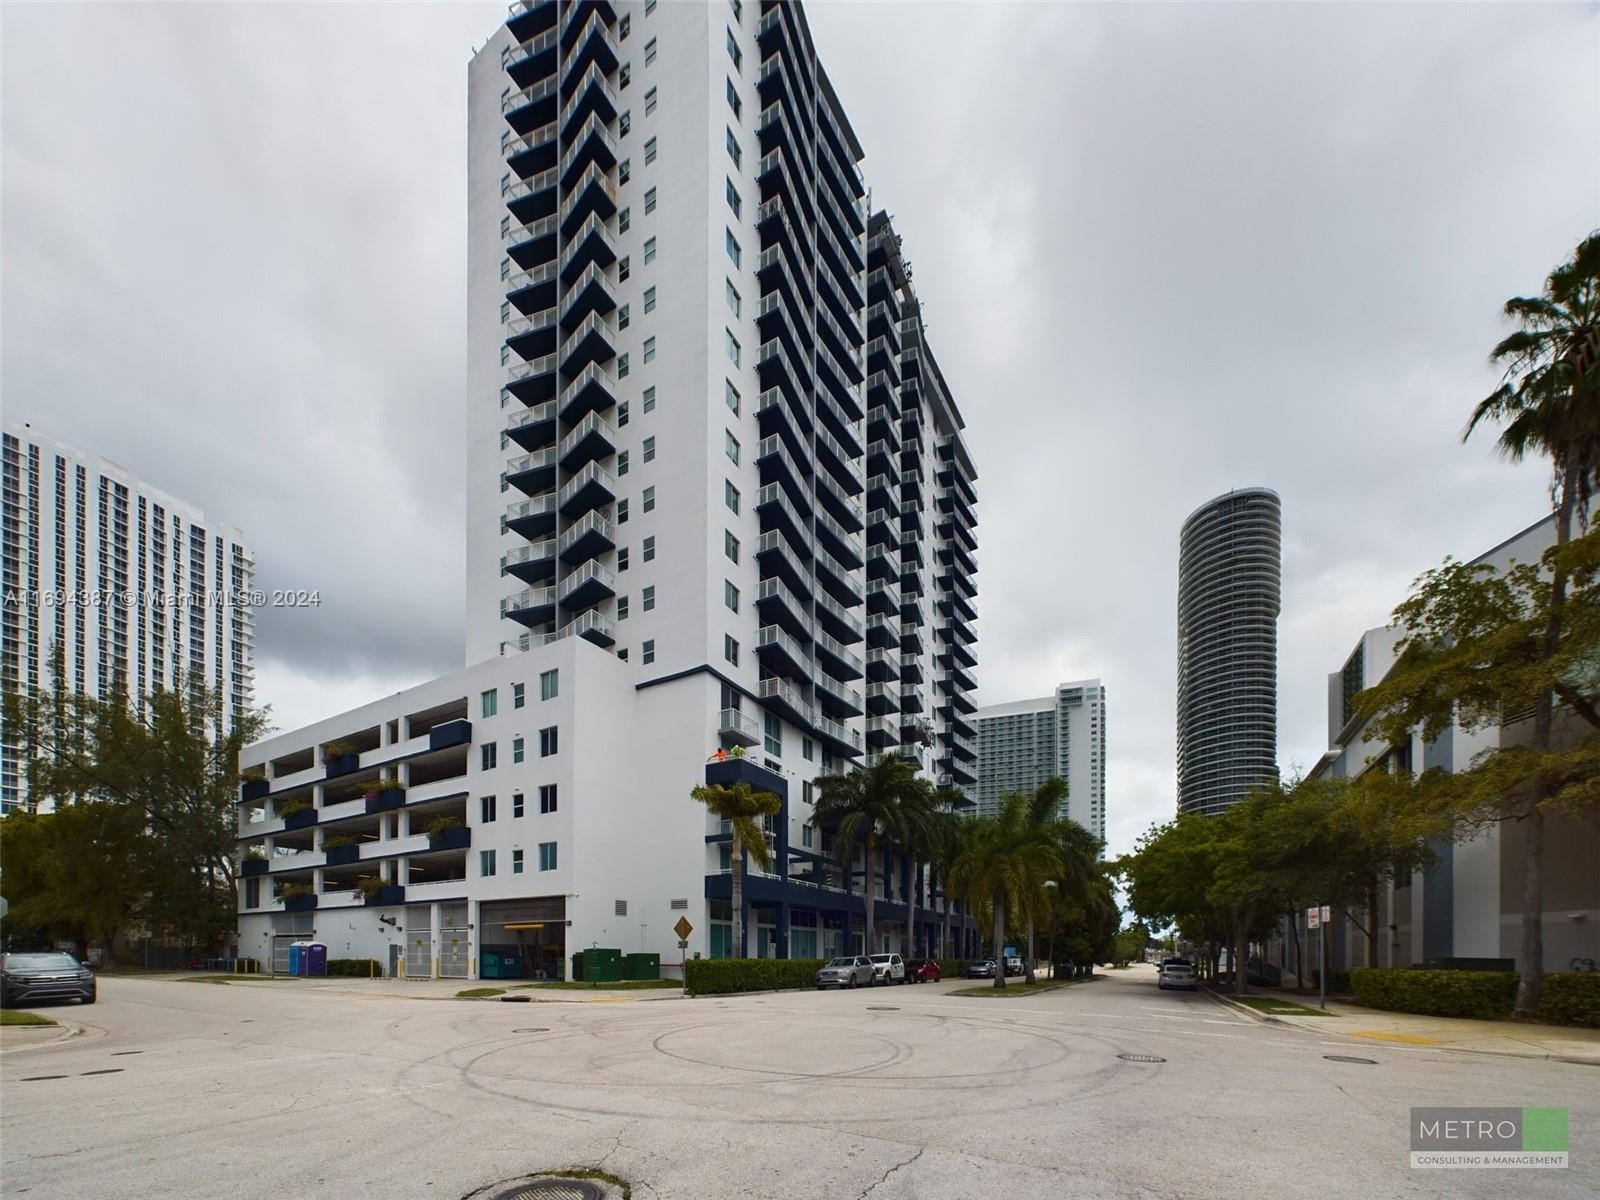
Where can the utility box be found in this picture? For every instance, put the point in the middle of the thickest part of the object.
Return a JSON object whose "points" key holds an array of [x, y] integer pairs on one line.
{"points": [[641, 966], [602, 966], [314, 961]]}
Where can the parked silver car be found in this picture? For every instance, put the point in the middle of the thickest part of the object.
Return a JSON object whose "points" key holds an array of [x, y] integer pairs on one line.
{"points": [[1177, 973], [888, 968], [853, 970]]}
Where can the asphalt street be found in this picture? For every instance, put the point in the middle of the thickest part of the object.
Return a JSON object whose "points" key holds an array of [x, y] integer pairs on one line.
{"points": [[190, 1090]]}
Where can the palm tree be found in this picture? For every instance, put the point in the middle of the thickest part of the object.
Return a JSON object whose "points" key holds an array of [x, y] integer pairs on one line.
{"points": [[742, 807], [870, 806], [943, 845], [1004, 864], [1548, 403], [1042, 812]]}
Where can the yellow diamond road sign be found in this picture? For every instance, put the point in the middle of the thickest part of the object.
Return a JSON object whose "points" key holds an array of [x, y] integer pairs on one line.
{"points": [[683, 929]]}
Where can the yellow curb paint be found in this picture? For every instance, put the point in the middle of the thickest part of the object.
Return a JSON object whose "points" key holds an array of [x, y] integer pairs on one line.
{"points": [[1410, 1039]]}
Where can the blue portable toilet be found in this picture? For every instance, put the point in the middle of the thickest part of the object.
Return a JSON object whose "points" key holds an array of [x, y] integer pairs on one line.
{"points": [[315, 959], [297, 958]]}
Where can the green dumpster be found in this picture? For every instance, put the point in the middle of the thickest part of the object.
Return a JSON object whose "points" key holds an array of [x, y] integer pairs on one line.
{"points": [[499, 962], [641, 966], [602, 966]]}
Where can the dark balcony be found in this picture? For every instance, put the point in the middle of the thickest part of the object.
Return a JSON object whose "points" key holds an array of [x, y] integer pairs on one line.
{"points": [[592, 342], [339, 856], [532, 336], [837, 659], [592, 96], [590, 243], [386, 896], [590, 144], [836, 699], [778, 370], [253, 866], [911, 700], [587, 538], [532, 244], [786, 699], [587, 586], [777, 513], [593, 43], [529, 18], [778, 466], [341, 764], [590, 439], [533, 428], [300, 904], [774, 319], [591, 194], [776, 558], [782, 654], [779, 605], [535, 563], [775, 275], [531, 59], [531, 474], [534, 289], [587, 490], [591, 293], [592, 390], [591, 626], [451, 733], [254, 789], [458, 837], [532, 107], [837, 579], [776, 416], [532, 607], [532, 382], [302, 818], [910, 668]]}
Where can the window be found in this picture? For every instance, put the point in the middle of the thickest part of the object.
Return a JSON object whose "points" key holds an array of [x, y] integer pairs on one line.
{"points": [[547, 856], [738, 10], [730, 545], [649, 356], [624, 123], [547, 799], [650, 152], [650, 307], [624, 75], [548, 740], [622, 559], [731, 395], [649, 7], [731, 295], [624, 220], [650, 102], [649, 552], [491, 702], [485, 810], [650, 52], [733, 147], [647, 598], [647, 652], [516, 805], [486, 862], [732, 348], [734, 52], [650, 201], [649, 250], [731, 245], [731, 446], [519, 695], [486, 756], [808, 748], [730, 650], [731, 193], [730, 595], [650, 499], [622, 414], [252, 893], [622, 269], [622, 27], [622, 511], [734, 102], [772, 742], [624, 172], [549, 684], [622, 366], [730, 496], [622, 463], [622, 608], [516, 862], [516, 750]]}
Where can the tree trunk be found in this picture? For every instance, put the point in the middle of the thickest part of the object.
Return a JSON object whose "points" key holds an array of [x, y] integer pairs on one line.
{"points": [[1532, 964], [911, 914], [1299, 959], [944, 931], [736, 863], [999, 940], [872, 891], [1241, 959], [1372, 922], [1029, 976]]}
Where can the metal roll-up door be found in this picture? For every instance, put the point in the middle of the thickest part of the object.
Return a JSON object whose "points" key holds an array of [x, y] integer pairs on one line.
{"points": [[455, 940], [419, 943]]}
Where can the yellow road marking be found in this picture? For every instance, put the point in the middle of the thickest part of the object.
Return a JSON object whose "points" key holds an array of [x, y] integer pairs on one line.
{"points": [[1411, 1039]]}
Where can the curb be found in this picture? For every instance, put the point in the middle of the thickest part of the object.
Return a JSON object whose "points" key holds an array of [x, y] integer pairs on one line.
{"points": [[67, 1031], [1230, 1003]]}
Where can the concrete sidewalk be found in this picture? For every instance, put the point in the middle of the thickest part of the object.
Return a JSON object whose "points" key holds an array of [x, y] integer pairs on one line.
{"points": [[417, 989], [1515, 1039]]}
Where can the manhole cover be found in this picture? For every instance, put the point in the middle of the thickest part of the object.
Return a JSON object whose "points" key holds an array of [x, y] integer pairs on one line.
{"points": [[1152, 1058], [544, 1187], [882, 1008], [1371, 1062], [515, 999], [531, 1029]]}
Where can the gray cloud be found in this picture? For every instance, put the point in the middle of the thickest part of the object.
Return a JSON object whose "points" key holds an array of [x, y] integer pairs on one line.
{"points": [[1165, 250]]}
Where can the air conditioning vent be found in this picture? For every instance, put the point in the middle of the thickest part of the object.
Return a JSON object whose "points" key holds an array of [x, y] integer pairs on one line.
{"points": [[622, 908], [679, 904]]}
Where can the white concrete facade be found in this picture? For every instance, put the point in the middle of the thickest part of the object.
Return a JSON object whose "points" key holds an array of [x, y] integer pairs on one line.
{"points": [[1022, 743], [123, 585]]}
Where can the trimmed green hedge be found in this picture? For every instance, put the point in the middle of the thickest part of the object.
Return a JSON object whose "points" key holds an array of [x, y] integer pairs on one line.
{"points": [[954, 968], [355, 968], [1488, 995], [1571, 998], [720, 976]]}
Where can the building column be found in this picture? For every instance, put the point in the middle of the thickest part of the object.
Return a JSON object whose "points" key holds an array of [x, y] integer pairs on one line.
{"points": [[783, 929], [433, 939]]}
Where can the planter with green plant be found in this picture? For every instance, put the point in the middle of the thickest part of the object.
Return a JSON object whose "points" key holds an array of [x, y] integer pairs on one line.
{"points": [[253, 862], [253, 784], [297, 897], [297, 812], [340, 850], [448, 833], [382, 795], [340, 758]]}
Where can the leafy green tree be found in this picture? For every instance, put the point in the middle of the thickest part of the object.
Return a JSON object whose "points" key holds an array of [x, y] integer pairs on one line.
{"points": [[1003, 867], [743, 808], [1482, 646], [69, 873], [871, 808]]}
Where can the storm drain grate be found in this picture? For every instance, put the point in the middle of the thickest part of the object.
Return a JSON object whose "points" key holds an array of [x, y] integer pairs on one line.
{"points": [[515, 999], [1370, 1062], [550, 1187], [1150, 1058]]}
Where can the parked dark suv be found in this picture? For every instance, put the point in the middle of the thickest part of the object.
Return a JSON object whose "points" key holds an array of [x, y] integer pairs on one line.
{"points": [[33, 978]]}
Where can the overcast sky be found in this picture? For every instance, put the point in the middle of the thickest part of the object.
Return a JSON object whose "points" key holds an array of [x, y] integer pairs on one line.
{"points": [[1164, 250]]}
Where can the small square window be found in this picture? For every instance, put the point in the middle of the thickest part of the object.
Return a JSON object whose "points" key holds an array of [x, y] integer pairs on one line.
{"points": [[622, 269], [647, 652], [622, 511], [647, 599], [622, 559], [731, 194], [650, 101], [622, 463], [624, 172], [486, 757], [516, 750], [734, 52], [731, 446], [519, 695], [650, 449], [649, 392], [733, 148], [650, 52], [807, 749], [516, 862], [730, 545], [624, 123], [649, 250], [549, 740], [485, 862], [549, 684], [650, 152], [491, 702], [731, 295], [516, 805], [547, 856], [649, 499], [649, 553], [622, 608], [547, 799], [485, 810], [734, 102], [730, 496], [732, 346], [622, 366], [731, 395], [624, 75], [731, 245], [622, 414], [730, 650], [730, 595], [622, 27], [649, 305], [649, 353], [622, 317], [650, 201]]}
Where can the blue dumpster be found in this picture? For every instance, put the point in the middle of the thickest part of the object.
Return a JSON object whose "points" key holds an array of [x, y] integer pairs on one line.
{"points": [[297, 958], [315, 959]]}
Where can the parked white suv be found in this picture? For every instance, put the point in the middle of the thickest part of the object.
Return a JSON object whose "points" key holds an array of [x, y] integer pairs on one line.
{"points": [[888, 968]]}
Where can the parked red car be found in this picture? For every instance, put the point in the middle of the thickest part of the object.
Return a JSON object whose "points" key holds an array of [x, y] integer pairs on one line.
{"points": [[922, 970]]}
